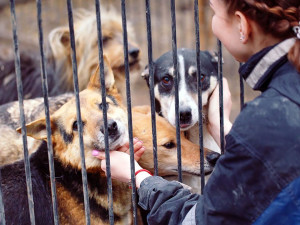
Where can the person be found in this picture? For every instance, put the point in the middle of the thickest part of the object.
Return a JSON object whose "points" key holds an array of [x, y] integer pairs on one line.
{"points": [[257, 180]]}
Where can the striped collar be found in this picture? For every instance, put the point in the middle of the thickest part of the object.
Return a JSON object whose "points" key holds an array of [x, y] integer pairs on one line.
{"points": [[256, 70]]}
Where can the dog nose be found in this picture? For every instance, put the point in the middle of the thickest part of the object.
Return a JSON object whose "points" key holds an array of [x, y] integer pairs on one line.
{"points": [[212, 158], [112, 128], [185, 116], [134, 52]]}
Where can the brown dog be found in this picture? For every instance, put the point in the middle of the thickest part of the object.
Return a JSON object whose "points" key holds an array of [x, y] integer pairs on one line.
{"points": [[67, 160], [59, 65], [87, 48], [166, 146], [64, 128]]}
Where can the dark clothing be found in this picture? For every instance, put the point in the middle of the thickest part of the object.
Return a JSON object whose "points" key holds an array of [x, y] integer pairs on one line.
{"points": [[257, 180]]}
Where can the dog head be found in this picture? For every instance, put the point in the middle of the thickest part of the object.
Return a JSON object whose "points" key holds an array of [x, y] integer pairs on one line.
{"points": [[85, 29], [187, 85], [64, 124], [167, 146]]}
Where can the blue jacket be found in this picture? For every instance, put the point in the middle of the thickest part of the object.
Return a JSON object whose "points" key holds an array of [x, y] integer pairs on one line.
{"points": [[257, 180]]}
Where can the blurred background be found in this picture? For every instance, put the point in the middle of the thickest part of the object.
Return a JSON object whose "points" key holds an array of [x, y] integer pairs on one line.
{"points": [[54, 14]]}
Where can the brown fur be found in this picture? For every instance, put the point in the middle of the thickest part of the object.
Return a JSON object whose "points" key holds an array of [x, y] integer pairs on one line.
{"points": [[166, 134], [66, 152], [69, 207], [59, 64]]}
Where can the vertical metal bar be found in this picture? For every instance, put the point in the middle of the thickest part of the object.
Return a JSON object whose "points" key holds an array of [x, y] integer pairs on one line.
{"points": [[220, 79], [242, 92], [129, 112], [22, 117], [103, 90], [151, 84], [47, 114], [175, 63], [196, 17], [2, 214], [80, 127]]}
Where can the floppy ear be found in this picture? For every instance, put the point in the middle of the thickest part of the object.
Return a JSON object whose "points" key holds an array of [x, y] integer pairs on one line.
{"points": [[36, 129], [108, 73], [59, 40]]}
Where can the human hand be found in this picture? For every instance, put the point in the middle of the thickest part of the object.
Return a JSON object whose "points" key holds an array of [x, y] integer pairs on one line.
{"points": [[138, 148], [122, 157], [214, 114], [120, 168]]}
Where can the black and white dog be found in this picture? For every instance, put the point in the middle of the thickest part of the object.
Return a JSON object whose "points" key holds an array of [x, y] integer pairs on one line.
{"points": [[187, 90]]}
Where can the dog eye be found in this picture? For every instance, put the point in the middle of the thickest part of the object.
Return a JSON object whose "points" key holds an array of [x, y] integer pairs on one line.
{"points": [[75, 126], [101, 106], [202, 77], [105, 39], [167, 81], [169, 145]]}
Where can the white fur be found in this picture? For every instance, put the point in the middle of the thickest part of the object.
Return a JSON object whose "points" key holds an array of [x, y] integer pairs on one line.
{"points": [[187, 99]]}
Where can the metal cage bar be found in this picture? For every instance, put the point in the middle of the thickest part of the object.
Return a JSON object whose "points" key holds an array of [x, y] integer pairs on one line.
{"points": [[47, 114], [79, 120], [151, 85], [103, 90], [2, 214], [175, 64], [220, 79], [21, 107], [129, 110], [199, 87], [242, 92]]}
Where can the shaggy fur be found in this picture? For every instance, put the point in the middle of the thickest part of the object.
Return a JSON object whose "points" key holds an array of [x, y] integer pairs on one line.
{"points": [[67, 162], [59, 66]]}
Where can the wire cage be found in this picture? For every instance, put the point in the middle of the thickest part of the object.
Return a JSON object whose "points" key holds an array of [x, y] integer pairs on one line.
{"points": [[160, 26]]}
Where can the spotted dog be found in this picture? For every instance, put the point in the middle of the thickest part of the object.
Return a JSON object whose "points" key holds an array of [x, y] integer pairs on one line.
{"points": [[187, 91]]}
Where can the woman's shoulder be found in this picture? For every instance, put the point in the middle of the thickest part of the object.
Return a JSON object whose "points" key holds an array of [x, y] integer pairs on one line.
{"points": [[270, 120], [269, 107]]}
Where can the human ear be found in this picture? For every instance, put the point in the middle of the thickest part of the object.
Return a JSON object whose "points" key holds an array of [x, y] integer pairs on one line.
{"points": [[243, 26]]}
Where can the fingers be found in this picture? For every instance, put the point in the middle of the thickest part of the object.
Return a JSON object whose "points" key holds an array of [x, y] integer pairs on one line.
{"points": [[138, 153], [103, 165], [98, 154], [227, 103], [125, 147], [138, 148]]}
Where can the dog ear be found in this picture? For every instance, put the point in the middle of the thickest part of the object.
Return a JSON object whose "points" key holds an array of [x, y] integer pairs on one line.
{"points": [[36, 129], [108, 73], [215, 58], [59, 40], [145, 74]]}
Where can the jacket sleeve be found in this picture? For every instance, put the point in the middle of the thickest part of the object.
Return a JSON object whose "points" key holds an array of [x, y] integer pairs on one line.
{"points": [[234, 193], [168, 202]]}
